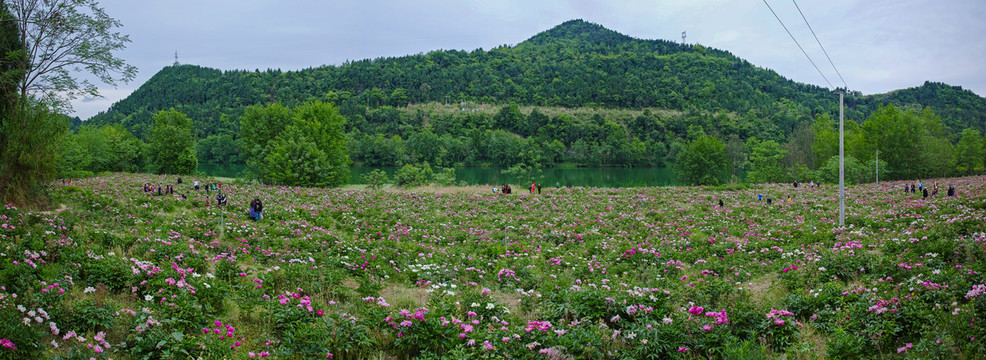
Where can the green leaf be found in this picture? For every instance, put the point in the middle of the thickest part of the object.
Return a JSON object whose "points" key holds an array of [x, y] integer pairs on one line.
{"points": [[159, 344], [178, 335]]}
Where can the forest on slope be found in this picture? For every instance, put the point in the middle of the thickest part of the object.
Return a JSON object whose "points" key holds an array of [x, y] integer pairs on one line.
{"points": [[577, 93]]}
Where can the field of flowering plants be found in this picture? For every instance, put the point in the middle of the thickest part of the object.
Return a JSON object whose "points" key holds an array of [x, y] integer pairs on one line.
{"points": [[572, 273]]}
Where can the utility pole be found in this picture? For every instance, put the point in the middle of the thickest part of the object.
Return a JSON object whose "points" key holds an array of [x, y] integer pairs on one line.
{"points": [[878, 167], [842, 167]]}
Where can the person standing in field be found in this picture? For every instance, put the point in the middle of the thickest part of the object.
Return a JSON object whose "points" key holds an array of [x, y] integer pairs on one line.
{"points": [[258, 209], [539, 189], [533, 187]]}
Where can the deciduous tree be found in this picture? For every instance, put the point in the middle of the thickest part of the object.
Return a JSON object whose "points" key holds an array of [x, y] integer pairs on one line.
{"points": [[172, 145], [703, 161]]}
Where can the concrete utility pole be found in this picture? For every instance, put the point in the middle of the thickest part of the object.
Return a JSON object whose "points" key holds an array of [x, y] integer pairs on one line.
{"points": [[878, 167], [842, 167]]}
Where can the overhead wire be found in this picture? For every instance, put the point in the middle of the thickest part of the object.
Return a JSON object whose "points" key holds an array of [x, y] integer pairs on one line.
{"points": [[820, 44], [799, 45]]}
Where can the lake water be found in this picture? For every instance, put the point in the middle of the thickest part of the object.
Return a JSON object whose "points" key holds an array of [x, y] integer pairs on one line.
{"points": [[595, 177]]}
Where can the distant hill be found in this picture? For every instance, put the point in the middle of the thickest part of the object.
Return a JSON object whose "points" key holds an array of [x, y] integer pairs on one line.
{"points": [[575, 64]]}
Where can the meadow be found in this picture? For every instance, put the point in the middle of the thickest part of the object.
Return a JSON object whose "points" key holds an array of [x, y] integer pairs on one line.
{"points": [[573, 273]]}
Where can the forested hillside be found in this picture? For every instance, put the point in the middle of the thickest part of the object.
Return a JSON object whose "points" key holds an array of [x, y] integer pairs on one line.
{"points": [[577, 93]]}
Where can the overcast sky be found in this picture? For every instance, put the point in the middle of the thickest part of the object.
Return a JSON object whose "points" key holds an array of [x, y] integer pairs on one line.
{"points": [[877, 45]]}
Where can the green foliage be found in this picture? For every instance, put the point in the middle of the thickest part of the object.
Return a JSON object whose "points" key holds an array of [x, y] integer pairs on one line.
{"points": [[412, 176], [703, 162], [522, 171], [765, 158], [912, 144], [970, 152], [105, 148], [31, 136], [854, 171], [259, 126], [172, 147], [219, 149], [300, 147], [296, 160], [81, 36], [445, 177], [375, 179]]}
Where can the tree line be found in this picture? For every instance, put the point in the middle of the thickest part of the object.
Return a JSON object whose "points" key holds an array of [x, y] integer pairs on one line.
{"points": [[313, 144]]}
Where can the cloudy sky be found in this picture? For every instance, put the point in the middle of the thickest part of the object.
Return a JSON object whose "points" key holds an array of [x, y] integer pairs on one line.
{"points": [[877, 45]]}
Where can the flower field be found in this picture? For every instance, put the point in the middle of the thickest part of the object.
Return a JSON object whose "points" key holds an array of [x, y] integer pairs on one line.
{"points": [[573, 273]]}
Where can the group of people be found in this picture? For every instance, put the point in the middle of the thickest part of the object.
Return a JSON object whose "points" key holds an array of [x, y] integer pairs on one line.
{"points": [[161, 190], [506, 189], [919, 187], [256, 210], [810, 184], [208, 187]]}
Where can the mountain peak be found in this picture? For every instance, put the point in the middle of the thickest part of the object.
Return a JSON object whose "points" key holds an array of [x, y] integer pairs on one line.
{"points": [[579, 30]]}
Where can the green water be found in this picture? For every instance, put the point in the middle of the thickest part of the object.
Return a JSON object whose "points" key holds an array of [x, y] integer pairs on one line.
{"points": [[595, 177]]}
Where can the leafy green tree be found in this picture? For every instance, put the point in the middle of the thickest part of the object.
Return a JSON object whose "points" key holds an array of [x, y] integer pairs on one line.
{"points": [[938, 157], [33, 136], [829, 173], [67, 36], [259, 126], [523, 172], [735, 155], [870, 169], [703, 161], [325, 124], [425, 146], [399, 97], [172, 146], [303, 147], [970, 152], [509, 118], [445, 177], [553, 152], [219, 149], [503, 147], [13, 65], [375, 179], [296, 160], [826, 142], [30, 133], [109, 148], [410, 176], [765, 159], [75, 161]]}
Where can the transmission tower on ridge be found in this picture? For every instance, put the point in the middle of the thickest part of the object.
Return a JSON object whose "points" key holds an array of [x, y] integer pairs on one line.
{"points": [[176, 57], [683, 38]]}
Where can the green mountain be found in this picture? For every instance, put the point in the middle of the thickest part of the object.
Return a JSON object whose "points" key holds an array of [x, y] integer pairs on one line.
{"points": [[574, 65]]}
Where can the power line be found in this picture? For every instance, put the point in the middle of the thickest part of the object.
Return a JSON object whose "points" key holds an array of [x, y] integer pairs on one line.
{"points": [[799, 45], [820, 43]]}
